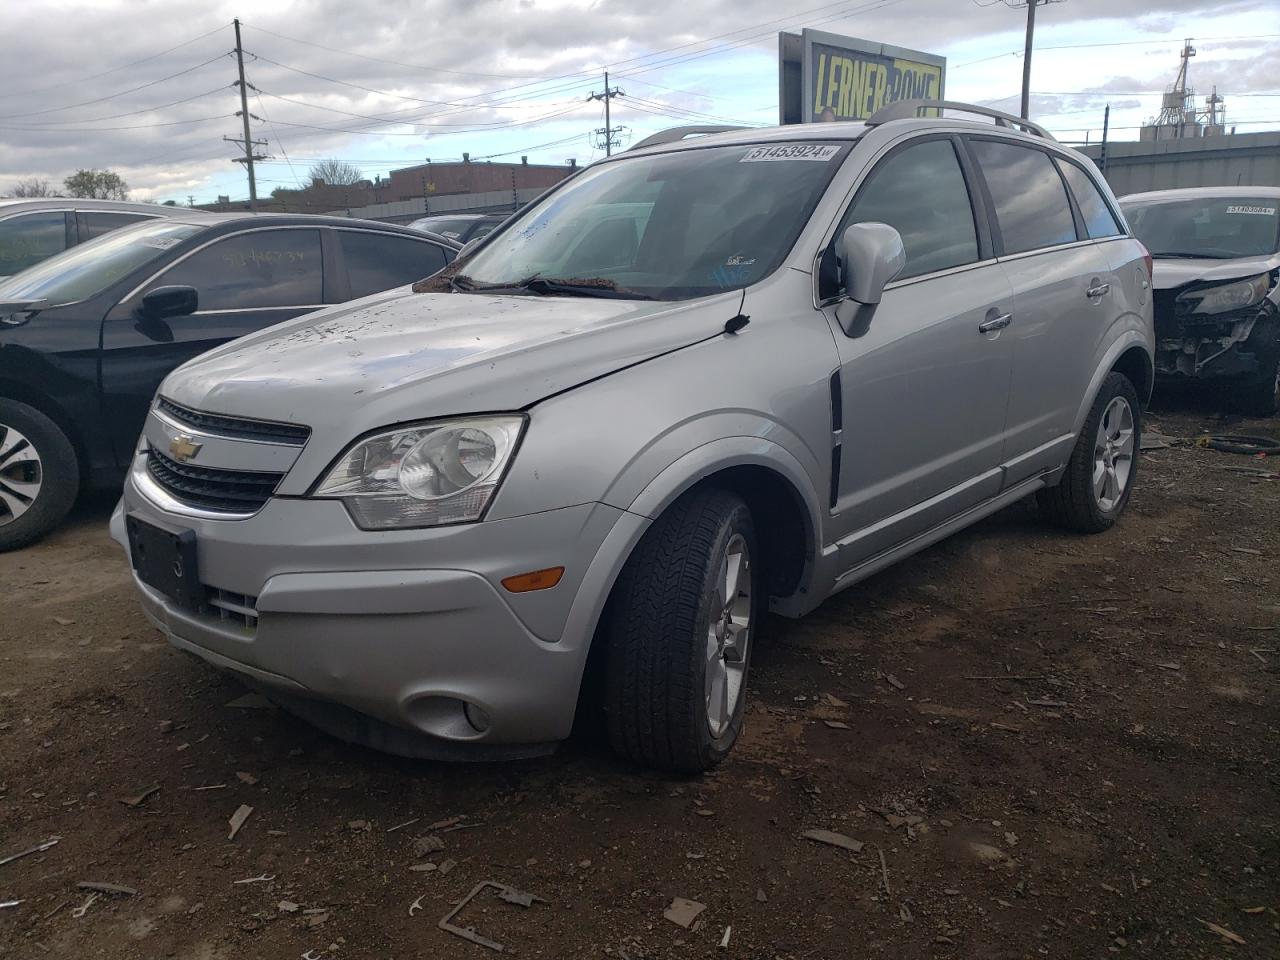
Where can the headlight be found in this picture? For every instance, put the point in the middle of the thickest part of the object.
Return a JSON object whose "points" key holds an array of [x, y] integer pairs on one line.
{"points": [[1228, 297], [424, 475]]}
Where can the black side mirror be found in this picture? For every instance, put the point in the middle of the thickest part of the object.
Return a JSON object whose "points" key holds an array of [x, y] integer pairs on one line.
{"points": [[175, 300]]}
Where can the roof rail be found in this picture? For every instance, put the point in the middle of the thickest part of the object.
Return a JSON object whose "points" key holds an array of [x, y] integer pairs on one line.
{"points": [[906, 109], [676, 134]]}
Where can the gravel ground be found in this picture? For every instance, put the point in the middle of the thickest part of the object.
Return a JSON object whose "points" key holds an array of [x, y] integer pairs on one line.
{"points": [[1046, 746]]}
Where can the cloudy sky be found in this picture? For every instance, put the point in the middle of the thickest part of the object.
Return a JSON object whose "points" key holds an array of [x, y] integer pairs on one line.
{"points": [[144, 87]]}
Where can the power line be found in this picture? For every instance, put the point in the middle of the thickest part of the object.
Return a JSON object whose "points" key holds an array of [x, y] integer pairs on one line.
{"points": [[134, 113], [112, 96], [123, 66], [133, 126]]}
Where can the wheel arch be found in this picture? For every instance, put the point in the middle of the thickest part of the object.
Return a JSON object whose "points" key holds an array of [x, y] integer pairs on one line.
{"points": [[20, 392], [1129, 354]]}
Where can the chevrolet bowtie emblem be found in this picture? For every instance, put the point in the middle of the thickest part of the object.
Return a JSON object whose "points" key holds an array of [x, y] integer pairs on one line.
{"points": [[183, 447]]}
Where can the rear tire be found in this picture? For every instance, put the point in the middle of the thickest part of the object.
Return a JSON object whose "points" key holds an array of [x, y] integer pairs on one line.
{"points": [[1095, 488], [678, 631], [39, 475]]}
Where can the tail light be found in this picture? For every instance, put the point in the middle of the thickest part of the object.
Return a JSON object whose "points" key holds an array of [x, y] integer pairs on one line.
{"points": [[1146, 258]]}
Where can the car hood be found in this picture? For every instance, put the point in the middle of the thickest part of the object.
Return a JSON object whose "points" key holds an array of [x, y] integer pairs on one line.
{"points": [[401, 355], [1171, 273]]}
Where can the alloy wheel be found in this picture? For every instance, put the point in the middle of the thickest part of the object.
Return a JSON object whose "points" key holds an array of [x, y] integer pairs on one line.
{"points": [[21, 475], [1113, 453], [728, 635]]}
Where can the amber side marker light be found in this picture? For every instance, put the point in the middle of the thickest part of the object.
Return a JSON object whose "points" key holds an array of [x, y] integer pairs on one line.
{"points": [[537, 580]]}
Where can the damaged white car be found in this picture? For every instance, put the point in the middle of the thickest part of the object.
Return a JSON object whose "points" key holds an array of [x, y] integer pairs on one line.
{"points": [[1217, 286]]}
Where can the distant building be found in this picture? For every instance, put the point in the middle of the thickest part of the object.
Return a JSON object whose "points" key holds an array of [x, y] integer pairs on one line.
{"points": [[1236, 160], [410, 192]]}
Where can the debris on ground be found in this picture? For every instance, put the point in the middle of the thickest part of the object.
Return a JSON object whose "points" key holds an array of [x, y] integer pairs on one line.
{"points": [[447, 866], [836, 724], [81, 910], [115, 889], [38, 848], [138, 799], [244, 777], [831, 838], [892, 681], [724, 941], [288, 906], [401, 826], [683, 912], [761, 896], [423, 846], [6, 904], [263, 878], [243, 812], [509, 894], [1224, 933]]}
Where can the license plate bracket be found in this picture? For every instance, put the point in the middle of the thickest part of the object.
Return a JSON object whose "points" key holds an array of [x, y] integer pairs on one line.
{"points": [[164, 558]]}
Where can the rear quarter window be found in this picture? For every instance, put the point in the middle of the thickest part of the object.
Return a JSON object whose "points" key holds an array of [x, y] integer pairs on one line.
{"points": [[1099, 221], [381, 261]]}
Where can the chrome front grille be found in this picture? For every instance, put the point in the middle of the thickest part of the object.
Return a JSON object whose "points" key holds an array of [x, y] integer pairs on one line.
{"points": [[235, 428], [220, 491]]}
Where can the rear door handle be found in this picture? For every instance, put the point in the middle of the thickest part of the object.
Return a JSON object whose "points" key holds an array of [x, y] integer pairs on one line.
{"points": [[1100, 290], [995, 323]]}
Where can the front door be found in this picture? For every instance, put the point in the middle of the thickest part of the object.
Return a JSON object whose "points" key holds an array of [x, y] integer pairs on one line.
{"points": [[245, 281], [924, 388]]}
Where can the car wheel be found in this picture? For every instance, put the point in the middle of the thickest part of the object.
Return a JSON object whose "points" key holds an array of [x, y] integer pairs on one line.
{"points": [[1260, 395], [679, 632], [1099, 477], [39, 474]]}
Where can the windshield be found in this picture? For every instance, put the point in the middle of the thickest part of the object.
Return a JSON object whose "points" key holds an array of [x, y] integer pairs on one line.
{"points": [[91, 267], [667, 227], [1215, 228]]}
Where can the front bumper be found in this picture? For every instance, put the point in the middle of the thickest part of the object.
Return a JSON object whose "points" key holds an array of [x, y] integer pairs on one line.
{"points": [[401, 629]]}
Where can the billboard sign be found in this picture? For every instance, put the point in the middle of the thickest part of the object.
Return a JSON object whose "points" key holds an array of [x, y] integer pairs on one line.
{"points": [[823, 76]]}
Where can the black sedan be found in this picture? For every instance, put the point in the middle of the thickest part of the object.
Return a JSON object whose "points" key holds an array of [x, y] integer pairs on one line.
{"points": [[87, 336]]}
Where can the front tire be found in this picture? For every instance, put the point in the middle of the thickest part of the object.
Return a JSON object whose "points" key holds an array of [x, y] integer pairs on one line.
{"points": [[1260, 395], [39, 475], [678, 632], [1095, 488]]}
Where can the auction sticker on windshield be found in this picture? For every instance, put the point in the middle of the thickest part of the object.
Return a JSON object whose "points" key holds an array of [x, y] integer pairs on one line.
{"points": [[1256, 211], [792, 151]]}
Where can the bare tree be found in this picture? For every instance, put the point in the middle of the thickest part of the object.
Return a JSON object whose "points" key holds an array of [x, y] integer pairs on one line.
{"points": [[32, 187], [97, 185], [335, 172]]}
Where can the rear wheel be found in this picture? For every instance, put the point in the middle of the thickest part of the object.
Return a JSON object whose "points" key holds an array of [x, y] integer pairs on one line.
{"points": [[1095, 488], [679, 630], [39, 474]]}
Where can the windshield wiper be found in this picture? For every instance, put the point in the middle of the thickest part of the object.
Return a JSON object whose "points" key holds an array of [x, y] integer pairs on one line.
{"points": [[590, 287]]}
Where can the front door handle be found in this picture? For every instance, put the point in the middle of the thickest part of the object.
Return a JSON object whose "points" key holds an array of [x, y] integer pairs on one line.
{"points": [[1101, 290], [995, 323]]}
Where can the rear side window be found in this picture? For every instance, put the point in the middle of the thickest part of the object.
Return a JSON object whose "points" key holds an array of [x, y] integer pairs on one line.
{"points": [[95, 224], [1031, 203], [920, 191], [269, 268], [380, 261], [27, 239], [1098, 218]]}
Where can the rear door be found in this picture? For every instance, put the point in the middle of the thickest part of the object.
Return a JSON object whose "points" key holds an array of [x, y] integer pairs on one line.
{"points": [[245, 281], [370, 262], [923, 389], [1061, 280], [28, 238]]}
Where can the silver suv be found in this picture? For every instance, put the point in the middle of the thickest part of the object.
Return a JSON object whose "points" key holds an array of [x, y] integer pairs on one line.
{"points": [[705, 379]]}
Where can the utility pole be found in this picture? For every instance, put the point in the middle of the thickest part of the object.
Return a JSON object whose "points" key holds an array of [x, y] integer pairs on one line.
{"points": [[1102, 155], [1026, 58], [609, 130], [248, 143]]}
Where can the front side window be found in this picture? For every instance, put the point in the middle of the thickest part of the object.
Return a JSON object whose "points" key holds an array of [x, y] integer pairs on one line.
{"points": [[920, 191], [1213, 228], [380, 261], [1031, 203], [671, 226], [263, 268], [94, 223], [1098, 218], [28, 238], [88, 269]]}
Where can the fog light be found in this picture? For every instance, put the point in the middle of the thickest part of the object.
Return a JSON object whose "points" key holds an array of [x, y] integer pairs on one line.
{"points": [[477, 717], [537, 580]]}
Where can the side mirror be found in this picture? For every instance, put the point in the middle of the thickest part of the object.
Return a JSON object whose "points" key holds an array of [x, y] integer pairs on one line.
{"points": [[175, 300], [871, 256]]}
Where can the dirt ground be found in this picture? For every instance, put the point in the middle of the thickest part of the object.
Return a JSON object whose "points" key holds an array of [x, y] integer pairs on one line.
{"points": [[1047, 745]]}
